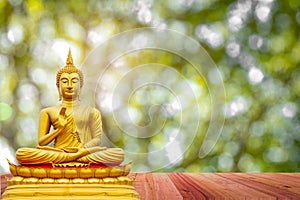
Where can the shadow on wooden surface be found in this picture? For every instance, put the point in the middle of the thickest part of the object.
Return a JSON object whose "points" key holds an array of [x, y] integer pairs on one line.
{"points": [[212, 185]]}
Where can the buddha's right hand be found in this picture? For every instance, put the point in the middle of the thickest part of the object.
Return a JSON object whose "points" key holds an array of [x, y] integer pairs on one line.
{"points": [[62, 119]]}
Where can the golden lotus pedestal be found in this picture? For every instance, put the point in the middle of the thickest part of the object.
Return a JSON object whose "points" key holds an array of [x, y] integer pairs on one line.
{"points": [[70, 183], [70, 191]]}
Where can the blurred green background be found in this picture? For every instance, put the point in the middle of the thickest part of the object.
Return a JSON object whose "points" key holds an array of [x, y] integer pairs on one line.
{"points": [[254, 43]]}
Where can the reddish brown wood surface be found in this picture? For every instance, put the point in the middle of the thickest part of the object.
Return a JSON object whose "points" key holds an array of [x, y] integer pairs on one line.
{"points": [[213, 185], [218, 185], [4, 182]]}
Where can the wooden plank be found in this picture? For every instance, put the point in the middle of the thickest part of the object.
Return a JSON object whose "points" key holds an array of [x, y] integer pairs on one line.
{"points": [[222, 187], [288, 178], [277, 181], [213, 187], [246, 180], [295, 174], [4, 182], [188, 188], [155, 186], [293, 177], [144, 185], [164, 187]]}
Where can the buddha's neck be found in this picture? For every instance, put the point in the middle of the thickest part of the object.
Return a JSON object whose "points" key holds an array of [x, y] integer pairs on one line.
{"points": [[70, 103]]}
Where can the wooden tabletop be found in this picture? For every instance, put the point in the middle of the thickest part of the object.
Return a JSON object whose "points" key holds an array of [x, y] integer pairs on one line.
{"points": [[213, 185], [218, 185]]}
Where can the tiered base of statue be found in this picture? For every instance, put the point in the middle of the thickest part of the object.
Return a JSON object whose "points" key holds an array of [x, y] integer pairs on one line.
{"points": [[70, 180]]}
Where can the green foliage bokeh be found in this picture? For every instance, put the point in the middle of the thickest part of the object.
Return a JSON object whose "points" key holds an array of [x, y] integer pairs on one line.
{"points": [[255, 45]]}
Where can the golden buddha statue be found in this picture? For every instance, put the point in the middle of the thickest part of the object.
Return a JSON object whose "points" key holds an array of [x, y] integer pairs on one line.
{"points": [[77, 128], [75, 162]]}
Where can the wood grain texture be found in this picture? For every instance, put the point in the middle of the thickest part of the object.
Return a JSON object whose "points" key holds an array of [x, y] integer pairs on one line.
{"points": [[4, 182], [187, 187], [165, 187], [224, 187], [272, 181], [265, 186], [151, 186], [144, 185]]}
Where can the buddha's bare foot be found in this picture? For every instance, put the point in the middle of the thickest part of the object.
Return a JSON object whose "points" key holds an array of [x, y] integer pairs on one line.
{"points": [[96, 149]]}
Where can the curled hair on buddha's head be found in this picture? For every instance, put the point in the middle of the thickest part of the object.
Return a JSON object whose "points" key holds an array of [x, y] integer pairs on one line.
{"points": [[69, 68]]}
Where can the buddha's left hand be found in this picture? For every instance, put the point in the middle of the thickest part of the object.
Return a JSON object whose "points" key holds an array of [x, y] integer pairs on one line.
{"points": [[47, 148], [71, 149]]}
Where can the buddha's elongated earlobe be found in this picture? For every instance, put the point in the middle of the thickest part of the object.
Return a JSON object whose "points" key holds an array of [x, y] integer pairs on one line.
{"points": [[59, 94]]}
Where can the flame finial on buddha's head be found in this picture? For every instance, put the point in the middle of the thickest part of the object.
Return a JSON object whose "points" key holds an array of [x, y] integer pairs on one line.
{"points": [[69, 61]]}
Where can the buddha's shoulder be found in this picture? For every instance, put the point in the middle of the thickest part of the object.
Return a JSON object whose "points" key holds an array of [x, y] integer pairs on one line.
{"points": [[51, 109], [89, 108]]}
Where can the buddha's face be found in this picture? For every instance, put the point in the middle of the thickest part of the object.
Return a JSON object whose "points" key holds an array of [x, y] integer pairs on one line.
{"points": [[69, 86]]}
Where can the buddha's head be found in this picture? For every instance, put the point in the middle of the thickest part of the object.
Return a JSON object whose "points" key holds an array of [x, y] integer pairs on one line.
{"points": [[69, 80]]}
